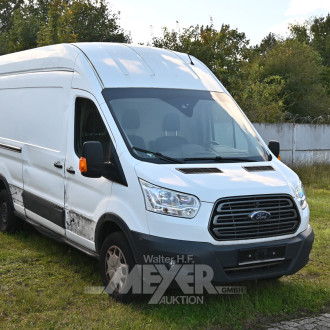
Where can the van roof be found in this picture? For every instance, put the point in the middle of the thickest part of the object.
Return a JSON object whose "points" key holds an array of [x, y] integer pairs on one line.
{"points": [[117, 65]]}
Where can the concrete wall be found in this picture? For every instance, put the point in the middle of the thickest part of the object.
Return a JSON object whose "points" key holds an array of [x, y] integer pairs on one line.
{"points": [[300, 143]]}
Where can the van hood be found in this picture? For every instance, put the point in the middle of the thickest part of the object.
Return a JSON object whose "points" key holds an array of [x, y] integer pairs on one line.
{"points": [[233, 180]]}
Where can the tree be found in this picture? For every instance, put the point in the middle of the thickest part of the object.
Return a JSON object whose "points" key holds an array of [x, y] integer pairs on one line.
{"points": [[261, 96], [31, 23], [316, 33], [24, 30], [320, 31], [268, 43], [222, 51], [265, 46], [7, 8], [4, 43], [82, 20], [57, 28], [300, 32], [300, 66], [91, 22]]}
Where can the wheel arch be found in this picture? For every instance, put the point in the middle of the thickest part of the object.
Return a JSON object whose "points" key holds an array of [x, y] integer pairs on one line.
{"points": [[110, 223], [4, 185]]}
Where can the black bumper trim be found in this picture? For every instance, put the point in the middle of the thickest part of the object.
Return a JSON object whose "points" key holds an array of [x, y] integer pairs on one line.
{"points": [[224, 258]]}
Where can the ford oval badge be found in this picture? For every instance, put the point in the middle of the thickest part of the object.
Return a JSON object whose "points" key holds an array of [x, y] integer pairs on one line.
{"points": [[260, 216]]}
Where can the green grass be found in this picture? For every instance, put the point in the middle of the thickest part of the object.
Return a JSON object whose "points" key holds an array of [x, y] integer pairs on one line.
{"points": [[42, 285]]}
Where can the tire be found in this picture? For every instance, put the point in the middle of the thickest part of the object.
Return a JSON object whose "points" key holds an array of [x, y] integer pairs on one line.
{"points": [[8, 221], [116, 247]]}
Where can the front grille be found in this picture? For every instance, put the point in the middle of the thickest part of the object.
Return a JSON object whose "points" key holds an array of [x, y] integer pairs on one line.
{"points": [[230, 218]]}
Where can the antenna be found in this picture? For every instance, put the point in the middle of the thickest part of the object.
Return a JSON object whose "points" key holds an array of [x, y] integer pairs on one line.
{"points": [[191, 62]]}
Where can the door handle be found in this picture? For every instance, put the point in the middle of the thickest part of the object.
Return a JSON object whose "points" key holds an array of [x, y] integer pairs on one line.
{"points": [[70, 170], [58, 164]]}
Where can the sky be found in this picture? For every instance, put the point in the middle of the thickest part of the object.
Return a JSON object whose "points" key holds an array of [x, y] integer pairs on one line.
{"points": [[145, 19]]}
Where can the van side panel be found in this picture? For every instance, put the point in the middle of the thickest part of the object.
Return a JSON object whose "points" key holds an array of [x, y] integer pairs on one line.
{"points": [[34, 116], [34, 119]]}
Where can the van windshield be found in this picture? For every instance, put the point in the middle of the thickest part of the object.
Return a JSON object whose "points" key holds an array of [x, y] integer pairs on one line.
{"points": [[169, 125]]}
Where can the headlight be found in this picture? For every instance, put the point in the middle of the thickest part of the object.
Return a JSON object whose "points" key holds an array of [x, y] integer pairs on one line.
{"points": [[301, 195], [169, 202]]}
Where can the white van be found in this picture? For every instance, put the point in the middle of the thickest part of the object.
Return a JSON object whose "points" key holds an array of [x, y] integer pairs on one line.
{"points": [[129, 151]]}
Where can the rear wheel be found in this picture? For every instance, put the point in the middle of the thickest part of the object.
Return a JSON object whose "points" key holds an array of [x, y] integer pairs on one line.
{"points": [[116, 261], [8, 221]]}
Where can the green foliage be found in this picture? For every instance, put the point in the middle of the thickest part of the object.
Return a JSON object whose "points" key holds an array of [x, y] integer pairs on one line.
{"points": [[95, 23], [222, 51], [260, 95], [316, 33], [7, 8], [301, 68], [57, 28], [320, 30], [4, 43], [25, 25], [300, 32], [266, 45], [24, 31]]}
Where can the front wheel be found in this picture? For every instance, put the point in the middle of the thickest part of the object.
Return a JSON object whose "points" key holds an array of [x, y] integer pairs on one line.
{"points": [[8, 221], [116, 261]]}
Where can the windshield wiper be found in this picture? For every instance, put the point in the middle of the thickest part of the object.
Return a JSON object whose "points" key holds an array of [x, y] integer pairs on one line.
{"points": [[221, 159], [159, 155]]}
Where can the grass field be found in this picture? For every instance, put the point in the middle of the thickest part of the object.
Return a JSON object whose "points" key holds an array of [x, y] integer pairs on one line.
{"points": [[42, 285]]}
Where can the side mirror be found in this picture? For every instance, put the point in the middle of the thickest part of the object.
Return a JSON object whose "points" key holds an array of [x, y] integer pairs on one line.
{"points": [[91, 164], [274, 147]]}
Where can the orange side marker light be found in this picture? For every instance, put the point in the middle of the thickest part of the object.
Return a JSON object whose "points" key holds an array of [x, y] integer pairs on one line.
{"points": [[82, 165]]}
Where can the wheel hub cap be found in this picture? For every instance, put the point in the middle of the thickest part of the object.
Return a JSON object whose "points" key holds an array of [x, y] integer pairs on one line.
{"points": [[116, 268]]}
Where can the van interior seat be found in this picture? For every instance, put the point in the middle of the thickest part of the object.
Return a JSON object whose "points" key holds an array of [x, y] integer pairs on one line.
{"points": [[130, 123], [171, 126], [94, 130]]}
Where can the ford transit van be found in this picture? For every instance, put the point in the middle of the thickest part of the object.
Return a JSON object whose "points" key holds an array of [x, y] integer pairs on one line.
{"points": [[130, 152]]}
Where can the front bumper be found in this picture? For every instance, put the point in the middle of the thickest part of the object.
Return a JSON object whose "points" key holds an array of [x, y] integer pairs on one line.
{"points": [[224, 260]]}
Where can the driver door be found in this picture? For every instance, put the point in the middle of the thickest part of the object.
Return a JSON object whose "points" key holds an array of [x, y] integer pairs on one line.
{"points": [[85, 198]]}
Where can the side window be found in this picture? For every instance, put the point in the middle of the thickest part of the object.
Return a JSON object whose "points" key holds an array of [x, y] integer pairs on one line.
{"points": [[89, 126]]}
